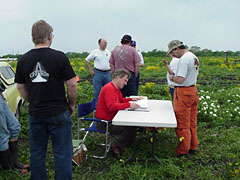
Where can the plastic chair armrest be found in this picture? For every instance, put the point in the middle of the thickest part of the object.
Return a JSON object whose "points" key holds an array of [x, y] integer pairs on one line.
{"points": [[93, 119]]}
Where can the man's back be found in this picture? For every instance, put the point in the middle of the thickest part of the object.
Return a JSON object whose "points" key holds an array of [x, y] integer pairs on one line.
{"points": [[125, 57], [44, 71]]}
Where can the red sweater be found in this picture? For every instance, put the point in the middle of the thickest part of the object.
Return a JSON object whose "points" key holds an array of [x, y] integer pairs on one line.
{"points": [[110, 101]]}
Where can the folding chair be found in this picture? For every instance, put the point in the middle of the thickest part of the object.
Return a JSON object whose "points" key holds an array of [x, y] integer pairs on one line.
{"points": [[84, 110]]}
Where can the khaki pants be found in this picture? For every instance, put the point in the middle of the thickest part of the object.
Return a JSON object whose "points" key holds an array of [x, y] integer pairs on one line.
{"points": [[186, 108]]}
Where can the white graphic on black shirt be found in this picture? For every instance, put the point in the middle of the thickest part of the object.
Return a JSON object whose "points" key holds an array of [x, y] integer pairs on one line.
{"points": [[39, 74]]}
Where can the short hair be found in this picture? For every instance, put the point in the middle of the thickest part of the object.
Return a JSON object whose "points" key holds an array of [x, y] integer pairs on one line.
{"points": [[124, 41], [121, 73], [99, 41], [40, 31]]}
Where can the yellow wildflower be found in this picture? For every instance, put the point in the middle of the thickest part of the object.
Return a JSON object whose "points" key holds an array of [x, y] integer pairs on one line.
{"points": [[151, 139], [236, 171], [181, 139], [150, 84], [159, 130], [82, 69], [153, 68]]}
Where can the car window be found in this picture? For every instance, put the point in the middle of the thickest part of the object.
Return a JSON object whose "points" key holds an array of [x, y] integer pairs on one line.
{"points": [[7, 72]]}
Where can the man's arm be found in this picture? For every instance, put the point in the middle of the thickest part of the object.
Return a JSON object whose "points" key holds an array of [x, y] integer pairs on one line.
{"points": [[141, 59], [2, 96], [168, 67], [176, 79], [72, 94], [111, 68], [22, 89], [112, 64], [90, 68], [136, 59]]}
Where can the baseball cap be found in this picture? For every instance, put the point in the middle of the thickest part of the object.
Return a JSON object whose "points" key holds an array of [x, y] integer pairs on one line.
{"points": [[174, 44], [133, 43], [127, 38]]}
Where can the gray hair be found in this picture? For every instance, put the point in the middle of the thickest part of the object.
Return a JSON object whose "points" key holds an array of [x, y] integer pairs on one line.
{"points": [[121, 73]]}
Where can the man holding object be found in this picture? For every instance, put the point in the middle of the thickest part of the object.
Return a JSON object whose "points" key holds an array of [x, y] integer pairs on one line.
{"points": [[185, 97]]}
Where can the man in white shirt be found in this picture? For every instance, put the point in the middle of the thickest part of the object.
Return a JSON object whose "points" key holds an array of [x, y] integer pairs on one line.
{"points": [[186, 97], [101, 73], [141, 64]]}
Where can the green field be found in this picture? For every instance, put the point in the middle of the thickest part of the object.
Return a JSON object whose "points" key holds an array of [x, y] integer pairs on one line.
{"points": [[218, 129]]}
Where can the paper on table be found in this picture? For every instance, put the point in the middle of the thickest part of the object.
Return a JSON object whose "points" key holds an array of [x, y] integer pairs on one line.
{"points": [[143, 103]]}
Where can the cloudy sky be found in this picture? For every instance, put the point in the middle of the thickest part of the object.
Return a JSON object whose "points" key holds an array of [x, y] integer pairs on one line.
{"points": [[78, 24]]}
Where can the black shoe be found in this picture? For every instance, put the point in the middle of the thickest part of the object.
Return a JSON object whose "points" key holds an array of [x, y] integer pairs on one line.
{"points": [[192, 151], [116, 151], [182, 155]]}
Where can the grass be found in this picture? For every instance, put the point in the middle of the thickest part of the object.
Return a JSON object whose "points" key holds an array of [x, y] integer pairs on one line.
{"points": [[219, 149]]}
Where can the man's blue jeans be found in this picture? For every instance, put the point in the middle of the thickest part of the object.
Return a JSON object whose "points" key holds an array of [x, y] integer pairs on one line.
{"points": [[171, 90], [99, 80], [59, 128], [9, 125]]}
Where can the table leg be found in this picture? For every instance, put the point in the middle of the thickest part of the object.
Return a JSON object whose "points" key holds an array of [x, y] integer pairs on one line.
{"points": [[153, 147], [132, 158]]}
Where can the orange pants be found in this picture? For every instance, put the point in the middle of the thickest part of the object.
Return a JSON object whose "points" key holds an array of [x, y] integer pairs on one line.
{"points": [[186, 108]]}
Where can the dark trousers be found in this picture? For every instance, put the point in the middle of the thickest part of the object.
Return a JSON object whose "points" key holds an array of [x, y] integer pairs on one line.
{"points": [[130, 89], [59, 128], [137, 81], [171, 90], [126, 133]]}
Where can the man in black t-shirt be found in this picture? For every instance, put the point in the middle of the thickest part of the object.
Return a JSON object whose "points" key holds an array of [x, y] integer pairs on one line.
{"points": [[40, 77]]}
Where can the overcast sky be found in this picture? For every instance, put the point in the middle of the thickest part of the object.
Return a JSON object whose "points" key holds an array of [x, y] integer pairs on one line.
{"points": [[78, 24]]}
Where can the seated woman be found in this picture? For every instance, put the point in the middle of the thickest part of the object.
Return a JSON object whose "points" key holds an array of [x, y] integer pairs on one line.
{"points": [[109, 103]]}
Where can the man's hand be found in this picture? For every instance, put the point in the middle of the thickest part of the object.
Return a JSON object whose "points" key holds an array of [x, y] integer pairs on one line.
{"points": [[90, 68], [165, 62], [137, 98], [91, 72], [71, 109], [22, 89], [171, 77], [134, 106]]}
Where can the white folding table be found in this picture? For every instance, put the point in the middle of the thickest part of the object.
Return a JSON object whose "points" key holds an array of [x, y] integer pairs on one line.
{"points": [[161, 114]]}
